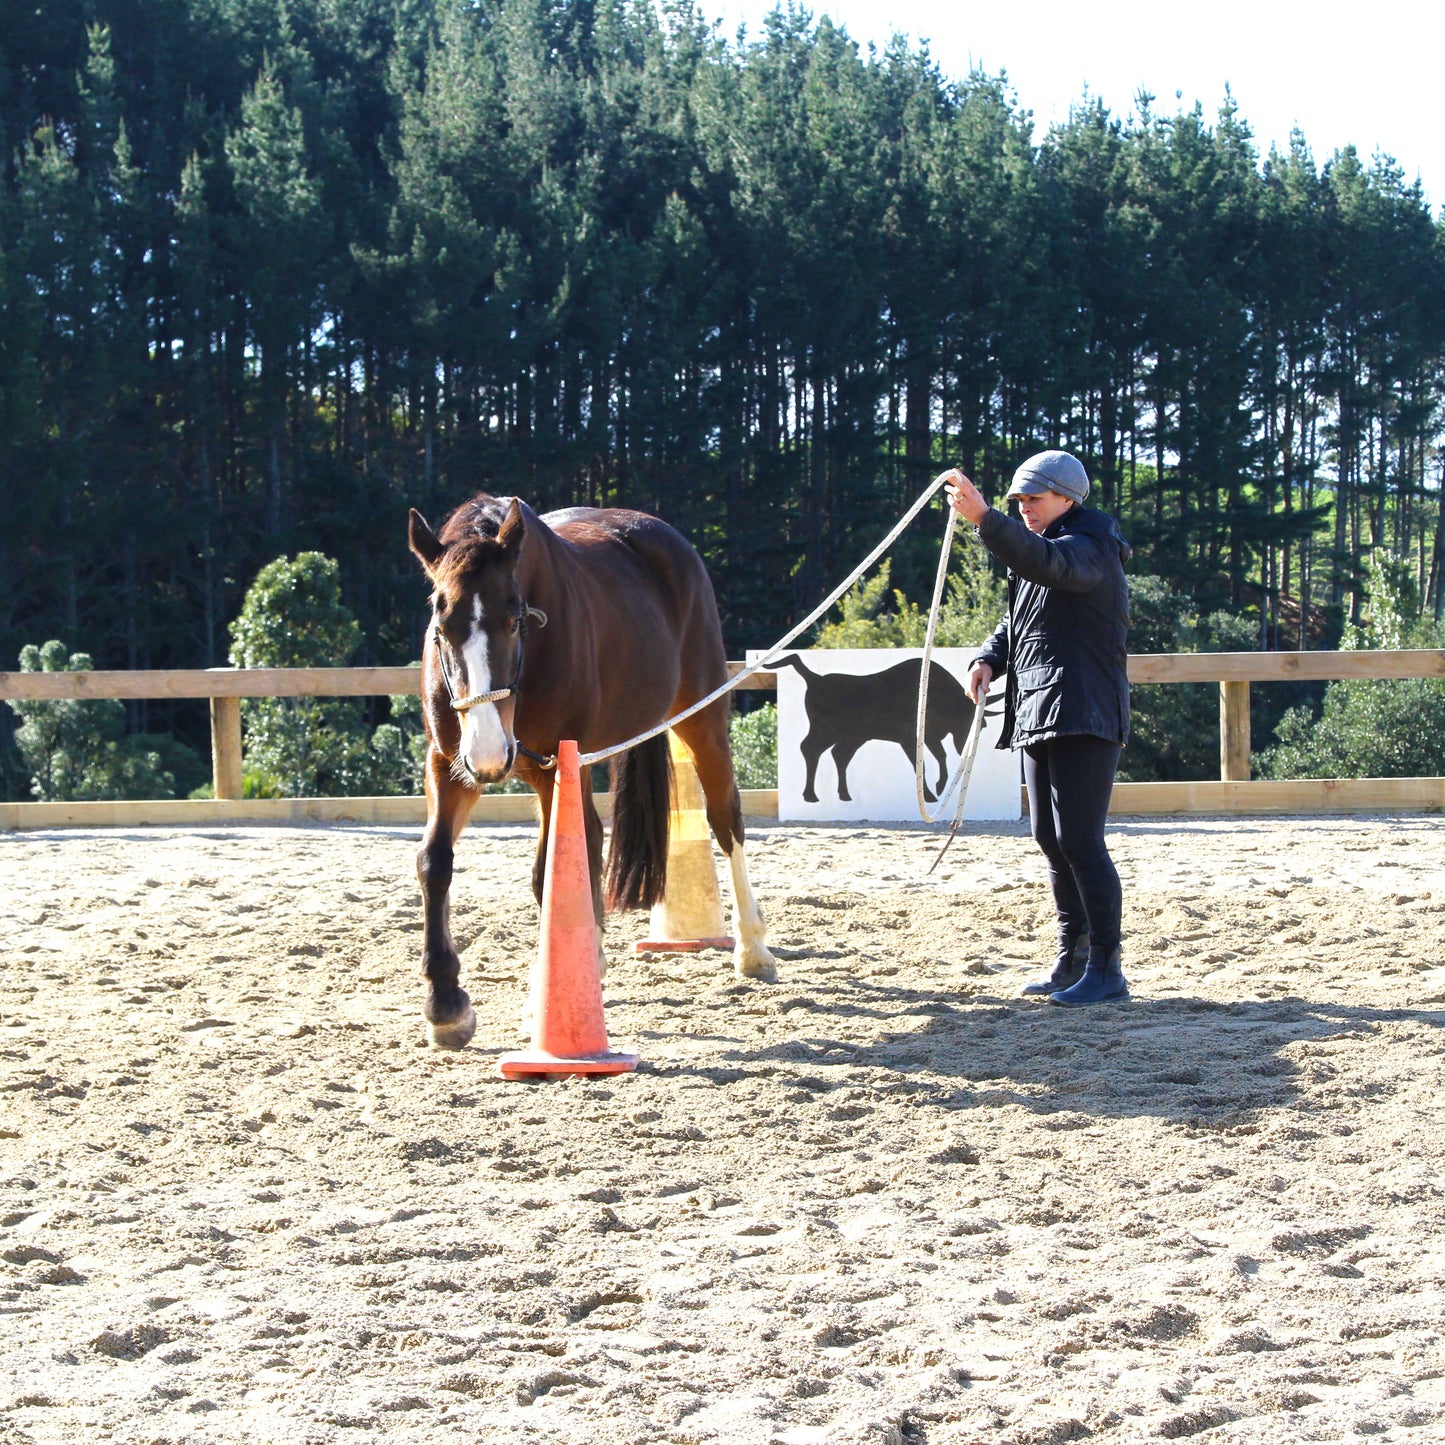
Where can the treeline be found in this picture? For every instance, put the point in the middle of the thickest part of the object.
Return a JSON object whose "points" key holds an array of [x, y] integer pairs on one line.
{"points": [[275, 269]]}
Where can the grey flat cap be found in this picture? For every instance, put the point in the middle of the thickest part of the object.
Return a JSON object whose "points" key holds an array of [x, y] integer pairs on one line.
{"points": [[1051, 472]]}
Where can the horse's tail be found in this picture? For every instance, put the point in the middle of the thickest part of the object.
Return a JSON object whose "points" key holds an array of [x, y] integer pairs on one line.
{"points": [[796, 663], [641, 807]]}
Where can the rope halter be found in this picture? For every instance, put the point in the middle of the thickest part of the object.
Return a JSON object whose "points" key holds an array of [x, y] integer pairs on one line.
{"points": [[498, 694]]}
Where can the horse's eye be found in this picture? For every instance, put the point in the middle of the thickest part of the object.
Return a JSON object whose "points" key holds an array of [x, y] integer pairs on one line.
{"points": [[513, 623]]}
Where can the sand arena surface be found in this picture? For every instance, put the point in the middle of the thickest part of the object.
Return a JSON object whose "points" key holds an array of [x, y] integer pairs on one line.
{"points": [[882, 1200]]}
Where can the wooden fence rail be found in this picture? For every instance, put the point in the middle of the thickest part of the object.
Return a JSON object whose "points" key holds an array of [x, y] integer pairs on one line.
{"points": [[224, 687]]}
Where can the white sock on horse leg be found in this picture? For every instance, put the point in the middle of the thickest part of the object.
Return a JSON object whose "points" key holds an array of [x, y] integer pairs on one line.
{"points": [[751, 958]]}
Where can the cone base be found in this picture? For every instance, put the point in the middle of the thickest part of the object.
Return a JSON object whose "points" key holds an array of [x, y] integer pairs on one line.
{"points": [[680, 945], [538, 1064]]}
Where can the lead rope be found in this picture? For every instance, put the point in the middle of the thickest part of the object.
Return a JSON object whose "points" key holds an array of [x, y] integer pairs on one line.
{"points": [[761, 665], [959, 781]]}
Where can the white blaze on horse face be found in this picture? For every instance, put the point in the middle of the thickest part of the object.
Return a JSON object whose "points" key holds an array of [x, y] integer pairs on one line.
{"points": [[485, 744], [751, 958]]}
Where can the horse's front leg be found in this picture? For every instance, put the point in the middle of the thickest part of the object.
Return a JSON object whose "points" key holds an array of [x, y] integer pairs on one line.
{"points": [[450, 1020]]}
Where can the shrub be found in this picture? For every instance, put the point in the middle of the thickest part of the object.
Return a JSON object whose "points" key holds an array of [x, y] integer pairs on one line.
{"points": [[14, 774], [77, 749], [1370, 727], [293, 616], [253, 785], [754, 737], [399, 746]]}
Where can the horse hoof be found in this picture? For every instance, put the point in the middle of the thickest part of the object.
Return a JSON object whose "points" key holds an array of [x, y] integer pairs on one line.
{"points": [[755, 962], [455, 1035]]}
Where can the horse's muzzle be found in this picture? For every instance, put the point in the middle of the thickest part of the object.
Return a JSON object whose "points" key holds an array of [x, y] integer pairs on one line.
{"points": [[480, 777]]}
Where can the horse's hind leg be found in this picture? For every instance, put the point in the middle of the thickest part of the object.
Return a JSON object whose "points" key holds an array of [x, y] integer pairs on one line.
{"points": [[593, 825], [705, 736], [449, 1016]]}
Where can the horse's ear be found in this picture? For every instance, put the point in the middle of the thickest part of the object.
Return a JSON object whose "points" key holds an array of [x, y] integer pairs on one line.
{"points": [[424, 542], [512, 530]]}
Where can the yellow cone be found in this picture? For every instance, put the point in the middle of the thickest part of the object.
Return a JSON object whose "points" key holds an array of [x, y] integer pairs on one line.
{"points": [[690, 916]]}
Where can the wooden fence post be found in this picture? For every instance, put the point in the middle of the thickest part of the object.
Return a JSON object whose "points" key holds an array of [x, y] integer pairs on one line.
{"points": [[1234, 732], [226, 746]]}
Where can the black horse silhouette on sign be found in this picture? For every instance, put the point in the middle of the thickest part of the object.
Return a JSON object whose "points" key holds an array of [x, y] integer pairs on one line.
{"points": [[846, 710]]}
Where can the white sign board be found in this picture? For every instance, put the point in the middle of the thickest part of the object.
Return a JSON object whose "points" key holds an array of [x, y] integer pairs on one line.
{"points": [[847, 721]]}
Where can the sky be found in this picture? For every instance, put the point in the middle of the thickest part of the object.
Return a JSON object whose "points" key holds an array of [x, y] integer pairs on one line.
{"points": [[1367, 77]]}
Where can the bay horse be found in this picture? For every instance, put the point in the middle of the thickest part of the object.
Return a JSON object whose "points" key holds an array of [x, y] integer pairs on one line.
{"points": [[589, 624]]}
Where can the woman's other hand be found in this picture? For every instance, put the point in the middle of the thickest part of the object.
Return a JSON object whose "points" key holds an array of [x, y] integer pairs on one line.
{"points": [[980, 675], [964, 497]]}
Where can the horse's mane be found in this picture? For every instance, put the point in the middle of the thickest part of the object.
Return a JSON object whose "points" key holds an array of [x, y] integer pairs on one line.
{"points": [[470, 534], [481, 518]]}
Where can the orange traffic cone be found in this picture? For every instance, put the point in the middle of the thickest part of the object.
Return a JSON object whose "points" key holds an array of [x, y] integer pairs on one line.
{"points": [[569, 1033], [690, 916]]}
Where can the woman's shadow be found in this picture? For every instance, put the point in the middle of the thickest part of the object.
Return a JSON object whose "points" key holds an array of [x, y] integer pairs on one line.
{"points": [[1189, 1060]]}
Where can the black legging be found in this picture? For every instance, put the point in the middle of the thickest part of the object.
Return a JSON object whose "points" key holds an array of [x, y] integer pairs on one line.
{"points": [[1069, 781]]}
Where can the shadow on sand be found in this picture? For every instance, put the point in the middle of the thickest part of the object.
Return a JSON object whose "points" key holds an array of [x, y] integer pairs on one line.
{"points": [[1189, 1060]]}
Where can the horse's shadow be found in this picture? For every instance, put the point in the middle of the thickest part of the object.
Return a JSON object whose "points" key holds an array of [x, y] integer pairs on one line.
{"points": [[1187, 1060]]}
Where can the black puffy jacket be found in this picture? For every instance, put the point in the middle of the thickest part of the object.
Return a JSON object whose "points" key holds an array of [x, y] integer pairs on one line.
{"points": [[1062, 642]]}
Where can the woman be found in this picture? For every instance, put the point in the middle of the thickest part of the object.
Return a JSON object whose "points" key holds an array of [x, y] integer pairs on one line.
{"points": [[1062, 644]]}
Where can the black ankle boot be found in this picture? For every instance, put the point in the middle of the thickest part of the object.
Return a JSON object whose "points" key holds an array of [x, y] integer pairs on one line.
{"points": [[1068, 967], [1103, 982]]}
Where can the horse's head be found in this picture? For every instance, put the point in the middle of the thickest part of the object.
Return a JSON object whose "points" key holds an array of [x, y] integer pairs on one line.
{"points": [[478, 619]]}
